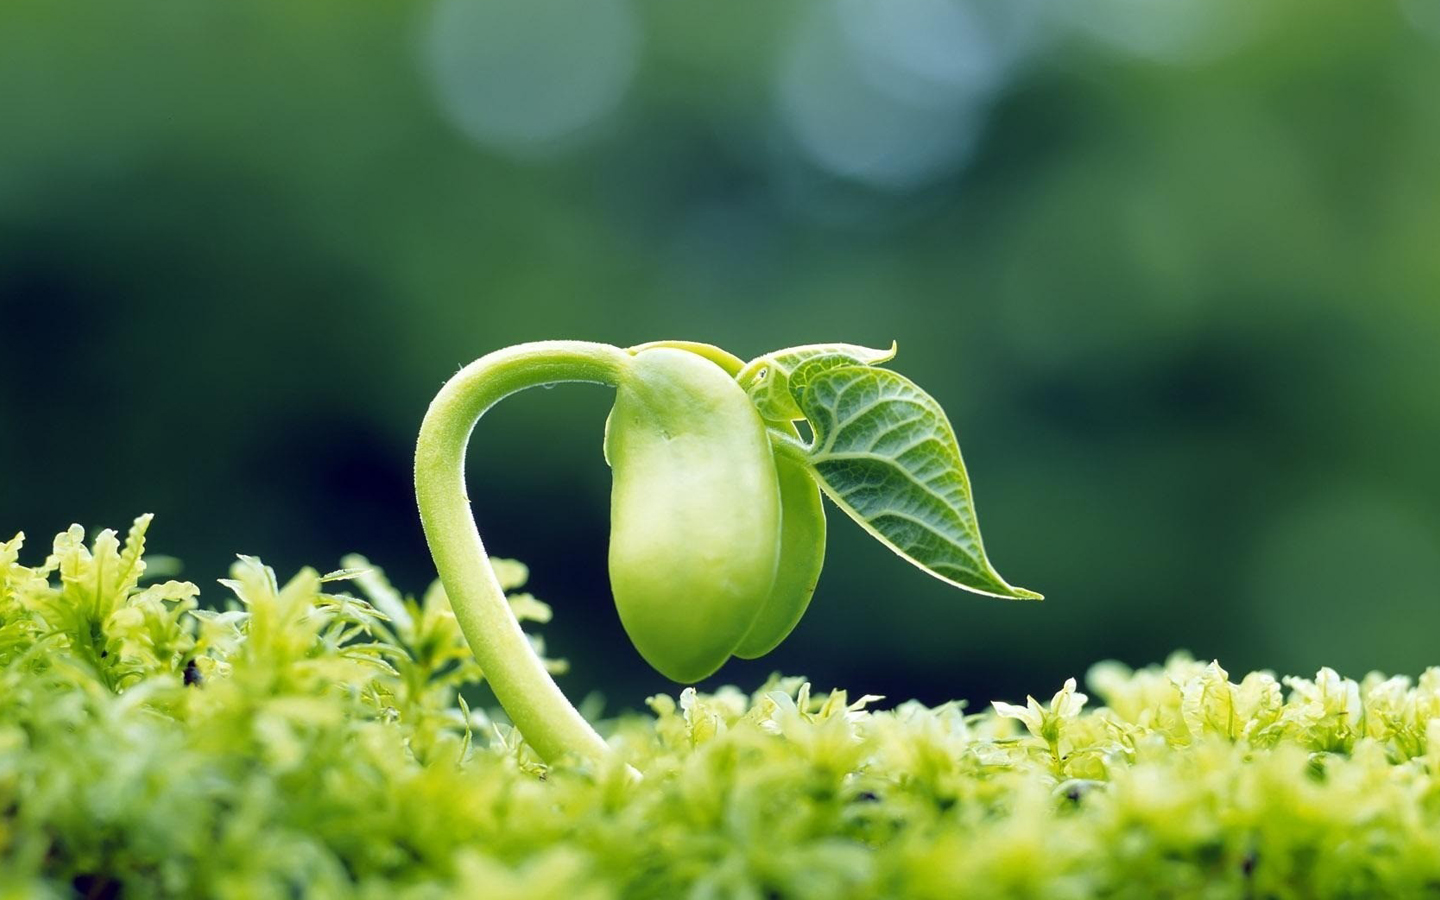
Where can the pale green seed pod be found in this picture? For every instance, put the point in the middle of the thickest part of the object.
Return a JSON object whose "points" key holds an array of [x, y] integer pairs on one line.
{"points": [[695, 521], [802, 556]]}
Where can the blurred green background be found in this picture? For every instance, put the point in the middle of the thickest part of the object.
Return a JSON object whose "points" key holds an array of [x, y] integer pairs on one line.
{"points": [[1172, 267]]}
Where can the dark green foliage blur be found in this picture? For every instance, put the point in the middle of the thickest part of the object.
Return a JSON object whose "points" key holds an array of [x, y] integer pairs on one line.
{"points": [[1173, 273]]}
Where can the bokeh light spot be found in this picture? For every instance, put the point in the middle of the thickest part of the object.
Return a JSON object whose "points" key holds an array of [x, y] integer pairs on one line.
{"points": [[1165, 31], [519, 75], [1423, 15], [893, 95]]}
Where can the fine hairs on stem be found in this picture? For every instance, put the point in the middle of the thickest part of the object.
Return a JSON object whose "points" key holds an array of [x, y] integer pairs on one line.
{"points": [[514, 671]]}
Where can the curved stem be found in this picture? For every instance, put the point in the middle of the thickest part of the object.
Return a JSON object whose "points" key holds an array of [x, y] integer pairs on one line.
{"points": [[512, 668], [726, 360]]}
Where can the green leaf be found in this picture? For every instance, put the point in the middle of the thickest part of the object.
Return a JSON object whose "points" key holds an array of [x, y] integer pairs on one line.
{"points": [[767, 378], [886, 454]]}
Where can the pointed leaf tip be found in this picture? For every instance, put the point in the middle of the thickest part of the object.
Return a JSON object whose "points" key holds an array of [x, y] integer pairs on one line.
{"points": [[885, 452]]}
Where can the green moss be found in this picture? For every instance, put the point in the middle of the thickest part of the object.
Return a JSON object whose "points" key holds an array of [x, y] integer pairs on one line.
{"points": [[302, 742]]}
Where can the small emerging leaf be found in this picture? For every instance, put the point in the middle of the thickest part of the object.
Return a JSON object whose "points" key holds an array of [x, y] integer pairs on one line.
{"points": [[886, 454], [469, 731], [767, 379], [383, 596], [510, 573], [346, 574]]}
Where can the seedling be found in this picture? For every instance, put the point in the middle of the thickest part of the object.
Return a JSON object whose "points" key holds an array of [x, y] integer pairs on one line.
{"points": [[717, 528], [297, 739]]}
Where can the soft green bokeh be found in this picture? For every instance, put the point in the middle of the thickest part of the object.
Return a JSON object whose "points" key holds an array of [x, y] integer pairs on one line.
{"points": [[1170, 268]]}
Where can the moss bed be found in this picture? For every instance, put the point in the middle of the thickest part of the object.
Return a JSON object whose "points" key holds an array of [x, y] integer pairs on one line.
{"points": [[304, 742]]}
